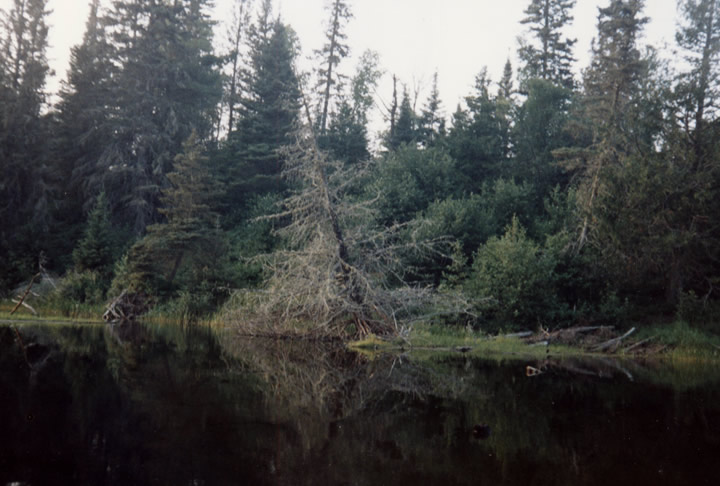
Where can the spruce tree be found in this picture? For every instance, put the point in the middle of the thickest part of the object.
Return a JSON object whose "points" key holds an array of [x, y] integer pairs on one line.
{"points": [[236, 36], [505, 86], [612, 80], [432, 121], [27, 181], [477, 139], [346, 138], [81, 122], [190, 231], [268, 110], [698, 88], [168, 85], [94, 251], [332, 53], [550, 57], [404, 131]]}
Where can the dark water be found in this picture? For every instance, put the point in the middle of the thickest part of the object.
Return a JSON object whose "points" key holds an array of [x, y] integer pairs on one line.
{"points": [[139, 405]]}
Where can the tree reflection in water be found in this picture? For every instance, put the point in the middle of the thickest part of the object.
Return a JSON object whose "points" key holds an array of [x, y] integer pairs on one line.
{"points": [[173, 405]]}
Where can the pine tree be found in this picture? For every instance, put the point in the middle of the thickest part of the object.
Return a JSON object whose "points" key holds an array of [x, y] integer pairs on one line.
{"points": [[26, 182], [94, 251], [432, 121], [236, 36], [331, 54], [346, 138], [168, 85], [477, 139], [698, 88], [268, 110], [405, 129], [81, 123], [551, 57], [190, 231]]}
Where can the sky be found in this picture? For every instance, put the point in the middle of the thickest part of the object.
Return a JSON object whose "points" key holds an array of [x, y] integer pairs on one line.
{"points": [[414, 38]]}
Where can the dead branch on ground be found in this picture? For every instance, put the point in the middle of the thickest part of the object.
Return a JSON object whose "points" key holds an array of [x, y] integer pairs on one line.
{"points": [[21, 299]]}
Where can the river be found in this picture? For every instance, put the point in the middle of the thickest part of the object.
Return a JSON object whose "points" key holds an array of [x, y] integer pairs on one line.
{"points": [[173, 405]]}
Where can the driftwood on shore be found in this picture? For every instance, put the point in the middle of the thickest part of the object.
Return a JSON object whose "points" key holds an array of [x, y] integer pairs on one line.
{"points": [[127, 306], [611, 343], [595, 339], [21, 299]]}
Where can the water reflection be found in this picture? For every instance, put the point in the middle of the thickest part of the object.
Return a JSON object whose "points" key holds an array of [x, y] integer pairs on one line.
{"points": [[170, 405]]}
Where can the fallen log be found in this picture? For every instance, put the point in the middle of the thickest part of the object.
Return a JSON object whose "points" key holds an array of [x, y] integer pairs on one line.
{"points": [[126, 307], [24, 304], [517, 335], [638, 344], [612, 342], [27, 291]]}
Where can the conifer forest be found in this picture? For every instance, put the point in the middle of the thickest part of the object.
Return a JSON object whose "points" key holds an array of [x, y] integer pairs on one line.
{"points": [[201, 181]]}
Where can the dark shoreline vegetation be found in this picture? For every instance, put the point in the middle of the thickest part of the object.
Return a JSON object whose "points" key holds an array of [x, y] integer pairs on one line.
{"points": [[174, 180]]}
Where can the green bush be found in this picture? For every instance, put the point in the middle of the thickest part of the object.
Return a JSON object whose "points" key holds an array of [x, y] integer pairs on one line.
{"points": [[87, 287], [193, 304], [513, 279]]}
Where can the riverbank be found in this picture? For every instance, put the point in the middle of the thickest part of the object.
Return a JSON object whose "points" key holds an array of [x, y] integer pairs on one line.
{"points": [[677, 341]]}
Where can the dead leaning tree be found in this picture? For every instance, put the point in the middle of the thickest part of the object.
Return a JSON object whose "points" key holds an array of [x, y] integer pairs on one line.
{"points": [[316, 278], [333, 275]]}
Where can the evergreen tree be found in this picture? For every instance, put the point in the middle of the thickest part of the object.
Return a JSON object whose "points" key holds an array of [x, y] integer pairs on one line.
{"points": [[612, 80], [505, 86], [404, 131], [332, 53], [540, 129], [551, 57], [431, 125], [236, 36], [81, 125], [346, 138], [94, 251], [506, 107], [268, 110], [477, 140], [167, 86], [190, 231], [611, 86], [26, 183], [698, 89]]}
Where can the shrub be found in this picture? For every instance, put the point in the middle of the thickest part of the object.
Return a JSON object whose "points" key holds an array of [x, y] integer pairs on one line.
{"points": [[86, 287], [513, 279]]}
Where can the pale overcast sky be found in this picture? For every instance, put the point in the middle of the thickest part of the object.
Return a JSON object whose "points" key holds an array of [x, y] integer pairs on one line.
{"points": [[414, 37]]}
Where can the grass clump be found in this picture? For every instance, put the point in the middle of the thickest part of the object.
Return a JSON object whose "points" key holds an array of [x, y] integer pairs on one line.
{"points": [[683, 341]]}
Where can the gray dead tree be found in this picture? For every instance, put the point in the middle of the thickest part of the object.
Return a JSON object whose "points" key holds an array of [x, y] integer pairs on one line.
{"points": [[338, 273]]}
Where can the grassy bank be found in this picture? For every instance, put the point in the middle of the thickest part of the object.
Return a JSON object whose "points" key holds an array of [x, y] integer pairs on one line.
{"points": [[52, 311], [675, 341], [427, 337]]}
